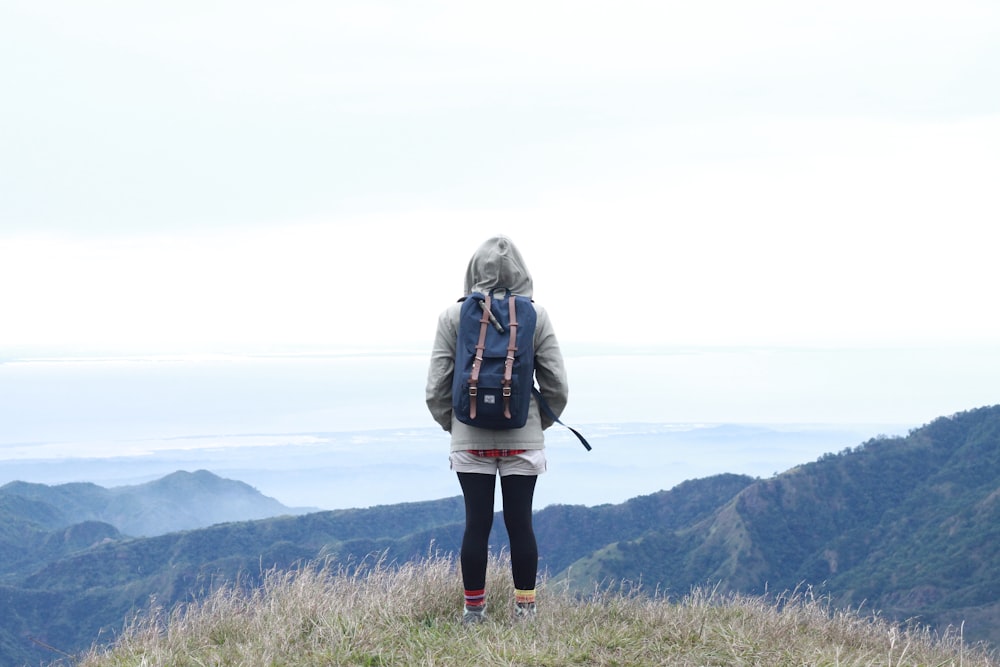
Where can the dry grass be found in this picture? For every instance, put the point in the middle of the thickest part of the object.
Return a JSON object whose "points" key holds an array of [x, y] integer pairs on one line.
{"points": [[409, 615]]}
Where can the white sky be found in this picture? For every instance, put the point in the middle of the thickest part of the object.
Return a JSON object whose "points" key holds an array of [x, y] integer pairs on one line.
{"points": [[229, 173]]}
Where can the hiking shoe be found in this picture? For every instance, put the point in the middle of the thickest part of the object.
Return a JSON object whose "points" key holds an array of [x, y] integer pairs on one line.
{"points": [[474, 615], [525, 611]]}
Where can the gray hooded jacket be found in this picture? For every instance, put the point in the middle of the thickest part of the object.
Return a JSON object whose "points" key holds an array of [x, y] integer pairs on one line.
{"points": [[497, 263]]}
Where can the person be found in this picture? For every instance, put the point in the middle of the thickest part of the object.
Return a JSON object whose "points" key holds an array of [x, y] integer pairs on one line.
{"points": [[479, 455]]}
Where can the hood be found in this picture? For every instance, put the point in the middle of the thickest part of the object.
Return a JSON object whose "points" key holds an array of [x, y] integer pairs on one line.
{"points": [[498, 263]]}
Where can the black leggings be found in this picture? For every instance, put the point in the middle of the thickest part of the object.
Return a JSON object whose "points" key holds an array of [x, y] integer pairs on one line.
{"points": [[517, 491]]}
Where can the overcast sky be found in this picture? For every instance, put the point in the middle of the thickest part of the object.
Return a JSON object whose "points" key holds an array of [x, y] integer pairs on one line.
{"points": [[228, 173]]}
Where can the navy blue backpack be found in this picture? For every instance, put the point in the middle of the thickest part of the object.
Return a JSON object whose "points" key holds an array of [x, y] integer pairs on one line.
{"points": [[495, 362]]}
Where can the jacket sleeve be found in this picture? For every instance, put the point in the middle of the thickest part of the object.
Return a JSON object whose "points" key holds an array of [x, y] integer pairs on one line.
{"points": [[550, 370], [442, 369]]}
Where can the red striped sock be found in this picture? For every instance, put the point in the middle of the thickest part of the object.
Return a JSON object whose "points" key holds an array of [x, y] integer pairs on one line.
{"points": [[475, 599]]}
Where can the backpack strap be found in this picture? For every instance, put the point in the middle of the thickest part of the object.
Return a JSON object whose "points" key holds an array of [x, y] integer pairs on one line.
{"points": [[478, 361], [508, 369], [544, 405]]}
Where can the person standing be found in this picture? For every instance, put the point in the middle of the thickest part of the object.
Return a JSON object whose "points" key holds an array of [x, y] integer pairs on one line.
{"points": [[479, 455]]}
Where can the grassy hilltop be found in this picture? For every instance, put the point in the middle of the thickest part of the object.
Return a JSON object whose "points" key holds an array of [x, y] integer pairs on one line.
{"points": [[409, 615]]}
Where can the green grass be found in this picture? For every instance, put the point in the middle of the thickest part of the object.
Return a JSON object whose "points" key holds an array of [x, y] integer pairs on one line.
{"points": [[379, 615]]}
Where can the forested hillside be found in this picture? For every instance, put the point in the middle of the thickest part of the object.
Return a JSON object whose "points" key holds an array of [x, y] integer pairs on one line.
{"points": [[907, 525]]}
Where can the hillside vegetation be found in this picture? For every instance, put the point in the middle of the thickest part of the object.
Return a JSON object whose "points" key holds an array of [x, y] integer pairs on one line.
{"points": [[409, 615]]}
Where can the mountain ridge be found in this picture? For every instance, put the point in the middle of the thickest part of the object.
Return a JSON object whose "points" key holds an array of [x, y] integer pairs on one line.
{"points": [[181, 500]]}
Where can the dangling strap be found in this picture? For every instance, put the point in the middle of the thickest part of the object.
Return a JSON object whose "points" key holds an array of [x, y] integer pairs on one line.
{"points": [[508, 370], [544, 405], [478, 361]]}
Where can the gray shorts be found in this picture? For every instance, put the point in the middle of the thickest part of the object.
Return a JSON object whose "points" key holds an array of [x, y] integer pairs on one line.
{"points": [[531, 462]]}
